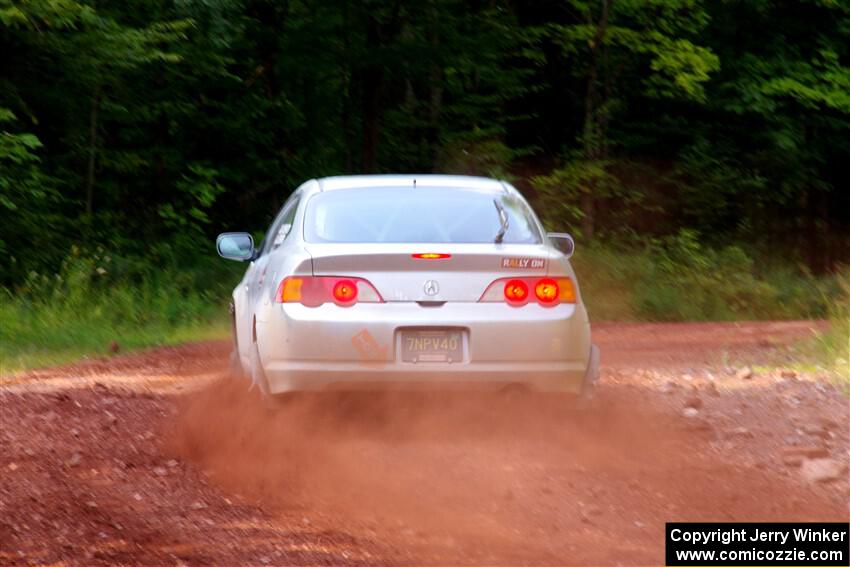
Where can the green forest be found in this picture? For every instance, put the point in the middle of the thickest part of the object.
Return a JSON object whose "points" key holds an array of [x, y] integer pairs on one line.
{"points": [[698, 150]]}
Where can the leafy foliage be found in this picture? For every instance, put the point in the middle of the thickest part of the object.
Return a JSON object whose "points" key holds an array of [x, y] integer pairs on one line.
{"points": [[147, 126]]}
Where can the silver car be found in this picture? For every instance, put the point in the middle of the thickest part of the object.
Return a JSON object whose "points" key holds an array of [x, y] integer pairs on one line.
{"points": [[433, 281]]}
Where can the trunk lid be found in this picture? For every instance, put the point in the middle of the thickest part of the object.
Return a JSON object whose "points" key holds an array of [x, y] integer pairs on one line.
{"points": [[399, 276]]}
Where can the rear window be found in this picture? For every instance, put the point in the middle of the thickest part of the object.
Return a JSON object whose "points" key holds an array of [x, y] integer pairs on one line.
{"points": [[428, 215]]}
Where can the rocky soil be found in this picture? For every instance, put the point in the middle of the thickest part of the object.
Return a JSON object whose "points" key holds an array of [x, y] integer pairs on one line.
{"points": [[158, 458]]}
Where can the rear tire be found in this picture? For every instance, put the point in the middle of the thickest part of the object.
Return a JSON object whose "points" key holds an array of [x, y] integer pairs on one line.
{"points": [[591, 378], [270, 402], [234, 365], [276, 402]]}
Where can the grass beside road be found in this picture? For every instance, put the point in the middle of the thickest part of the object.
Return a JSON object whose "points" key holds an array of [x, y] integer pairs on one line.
{"points": [[94, 340], [832, 349], [679, 279], [86, 310]]}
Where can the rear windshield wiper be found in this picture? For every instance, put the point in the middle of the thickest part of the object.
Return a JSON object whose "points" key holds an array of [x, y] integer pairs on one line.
{"points": [[503, 218]]}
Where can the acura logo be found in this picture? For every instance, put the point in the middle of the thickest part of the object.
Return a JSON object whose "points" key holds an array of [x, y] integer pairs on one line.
{"points": [[432, 287]]}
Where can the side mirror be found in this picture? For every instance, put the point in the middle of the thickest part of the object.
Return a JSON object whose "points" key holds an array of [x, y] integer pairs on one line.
{"points": [[237, 246], [563, 242]]}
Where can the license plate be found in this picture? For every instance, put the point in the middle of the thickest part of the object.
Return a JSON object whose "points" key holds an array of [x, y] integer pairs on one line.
{"points": [[431, 345]]}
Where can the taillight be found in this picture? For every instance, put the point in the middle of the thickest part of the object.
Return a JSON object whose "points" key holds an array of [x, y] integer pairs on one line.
{"points": [[431, 256], [515, 291], [546, 290], [345, 291], [313, 291]]}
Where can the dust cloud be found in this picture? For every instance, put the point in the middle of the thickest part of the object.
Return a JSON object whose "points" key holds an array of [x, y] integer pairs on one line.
{"points": [[471, 471], [484, 479]]}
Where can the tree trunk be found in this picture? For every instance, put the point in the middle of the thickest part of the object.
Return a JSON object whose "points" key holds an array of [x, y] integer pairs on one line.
{"points": [[347, 93], [588, 198], [595, 123], [435, 78], [378, 37], [816, 242], [95, 103], [371, 115], [372, 76]]}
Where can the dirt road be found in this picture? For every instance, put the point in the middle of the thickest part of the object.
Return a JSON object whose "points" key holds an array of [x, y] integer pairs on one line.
{"points": [[154, 459]]}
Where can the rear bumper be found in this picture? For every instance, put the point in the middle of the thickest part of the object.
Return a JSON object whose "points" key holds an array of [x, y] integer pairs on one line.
{"points": [[299, 376], [330, 347]]}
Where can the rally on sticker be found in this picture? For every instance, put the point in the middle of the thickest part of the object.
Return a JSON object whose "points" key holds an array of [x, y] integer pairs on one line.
{"points": [[524, 263]]}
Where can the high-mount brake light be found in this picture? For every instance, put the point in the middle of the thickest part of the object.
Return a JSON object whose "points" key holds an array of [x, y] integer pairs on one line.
{"points": [[431, 256], [313, 291], [548, 292]]}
